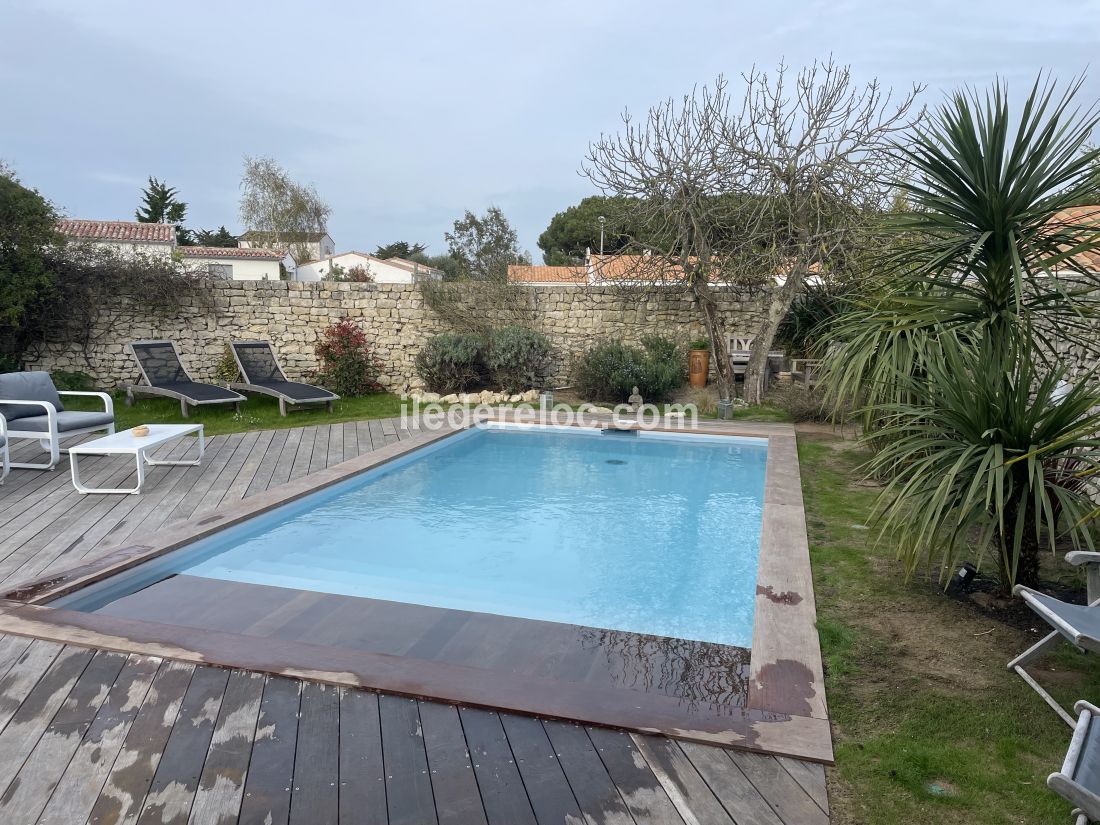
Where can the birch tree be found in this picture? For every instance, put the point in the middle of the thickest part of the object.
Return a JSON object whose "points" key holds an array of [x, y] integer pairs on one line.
{"points": [[287, 211]]}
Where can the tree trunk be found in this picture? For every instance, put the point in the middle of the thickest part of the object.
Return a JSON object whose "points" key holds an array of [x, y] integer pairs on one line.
{"points": [[781, 300], [716, 331], [1027, 567]]}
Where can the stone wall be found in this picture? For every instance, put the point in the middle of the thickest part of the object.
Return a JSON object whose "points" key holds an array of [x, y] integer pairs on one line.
{"points": [[395, 319]]}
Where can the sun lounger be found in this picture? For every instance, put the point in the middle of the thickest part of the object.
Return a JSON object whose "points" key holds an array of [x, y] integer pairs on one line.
{"points": [[261, 373], [164, 374]]}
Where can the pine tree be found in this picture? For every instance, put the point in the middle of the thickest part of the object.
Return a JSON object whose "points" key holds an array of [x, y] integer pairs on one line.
{"points": [[159, 205], [210, 237]]}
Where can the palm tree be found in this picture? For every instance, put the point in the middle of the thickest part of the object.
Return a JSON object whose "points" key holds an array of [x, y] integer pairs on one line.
{"points": [[957, 361]]}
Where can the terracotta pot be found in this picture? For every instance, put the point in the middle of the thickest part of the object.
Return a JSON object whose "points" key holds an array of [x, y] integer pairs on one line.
{"points": [[698, 366]]}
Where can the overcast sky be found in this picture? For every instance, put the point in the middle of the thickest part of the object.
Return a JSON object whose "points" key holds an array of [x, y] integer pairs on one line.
{"points": [[405, 115]]}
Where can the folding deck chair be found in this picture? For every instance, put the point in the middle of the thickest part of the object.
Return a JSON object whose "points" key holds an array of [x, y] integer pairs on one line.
{"points": [[164, 374], [261, 373], [1079, 780], [1077, 624]]}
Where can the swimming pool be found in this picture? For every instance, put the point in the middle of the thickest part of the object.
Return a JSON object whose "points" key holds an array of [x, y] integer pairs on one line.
{"points": [[654, 533]]}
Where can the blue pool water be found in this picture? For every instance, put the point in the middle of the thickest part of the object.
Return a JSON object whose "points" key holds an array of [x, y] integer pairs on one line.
{"points": [[643, 533]]}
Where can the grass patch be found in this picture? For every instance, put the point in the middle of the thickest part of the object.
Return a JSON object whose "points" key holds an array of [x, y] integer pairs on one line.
{"points": [[259, 412], [929, 726], [756, 412]]}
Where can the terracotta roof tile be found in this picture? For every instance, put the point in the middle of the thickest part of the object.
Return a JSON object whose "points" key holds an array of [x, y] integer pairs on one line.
{"points": [[230, 252], [117, 230], [1087, 220], [547, 274]]}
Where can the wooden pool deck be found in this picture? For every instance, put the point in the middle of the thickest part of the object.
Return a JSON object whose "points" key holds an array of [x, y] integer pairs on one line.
{"points": [[96, 736]]}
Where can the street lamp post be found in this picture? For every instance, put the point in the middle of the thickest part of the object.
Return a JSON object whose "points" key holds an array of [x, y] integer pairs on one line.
{"points": [[602, 220]]}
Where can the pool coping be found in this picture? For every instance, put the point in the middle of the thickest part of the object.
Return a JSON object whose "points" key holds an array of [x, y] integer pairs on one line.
{"points": [[785, 713]]}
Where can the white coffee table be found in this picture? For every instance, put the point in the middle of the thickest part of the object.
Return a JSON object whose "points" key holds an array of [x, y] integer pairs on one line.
{"points": [[126, 443]]}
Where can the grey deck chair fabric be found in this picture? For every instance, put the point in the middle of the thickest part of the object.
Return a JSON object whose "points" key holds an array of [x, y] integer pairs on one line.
{"points": [[261, 373], [1075, 623], [1080, 624], [161, 367]]}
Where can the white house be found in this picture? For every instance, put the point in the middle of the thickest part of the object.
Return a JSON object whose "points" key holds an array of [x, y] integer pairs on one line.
{"points": [[314, 246], [237, 264], [379, 270], [125, 237]]}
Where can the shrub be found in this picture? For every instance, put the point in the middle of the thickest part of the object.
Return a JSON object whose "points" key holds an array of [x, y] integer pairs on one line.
{"points": [[664, 369], [357, 274], [75, 381], [452, 362], [517, 358], [347, 365], [610, 370], [226, 369]]}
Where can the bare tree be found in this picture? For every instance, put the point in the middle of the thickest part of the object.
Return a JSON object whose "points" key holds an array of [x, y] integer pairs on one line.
{"points": [[763, 195], [287, 212]]}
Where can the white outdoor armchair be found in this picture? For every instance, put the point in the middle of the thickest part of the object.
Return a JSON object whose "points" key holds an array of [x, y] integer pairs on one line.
{"points": [[32, 406]]}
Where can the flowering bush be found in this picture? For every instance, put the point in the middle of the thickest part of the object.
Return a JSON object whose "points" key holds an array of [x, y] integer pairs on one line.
{"points": [[347, 365]]}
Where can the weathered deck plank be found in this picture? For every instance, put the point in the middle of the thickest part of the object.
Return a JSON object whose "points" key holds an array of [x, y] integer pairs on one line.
{"points": [[169, 799], [30, 789], [592, 787], [457, 800], [645, 788], [133, 769], [362, 768], [221, 785], [409, 799], [267, 788], [84, 777], [316, 799], [498, 777]]}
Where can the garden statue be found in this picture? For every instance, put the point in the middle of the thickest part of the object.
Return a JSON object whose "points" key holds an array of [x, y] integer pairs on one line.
{"points": [[635, 399]]}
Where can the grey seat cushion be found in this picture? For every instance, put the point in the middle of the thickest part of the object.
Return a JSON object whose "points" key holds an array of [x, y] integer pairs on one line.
{"points": [[27, 386], [66, 421]]}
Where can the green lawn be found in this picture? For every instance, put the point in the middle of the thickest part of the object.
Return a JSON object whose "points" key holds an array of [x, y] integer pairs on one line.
{"points": [[929, 726], [260, 412]]}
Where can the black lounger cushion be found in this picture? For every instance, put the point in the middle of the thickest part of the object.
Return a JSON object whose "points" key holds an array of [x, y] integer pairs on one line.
{"points": [[194, 391], [296, 391]]}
